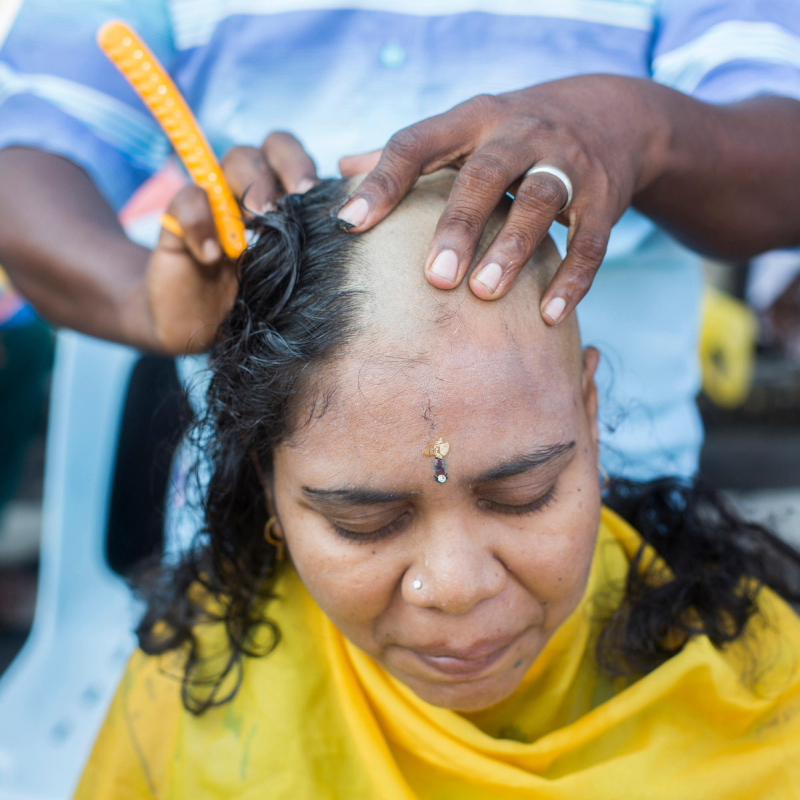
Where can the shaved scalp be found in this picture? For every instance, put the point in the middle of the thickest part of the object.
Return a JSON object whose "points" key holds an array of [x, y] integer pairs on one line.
{"points": [[404, 316]]}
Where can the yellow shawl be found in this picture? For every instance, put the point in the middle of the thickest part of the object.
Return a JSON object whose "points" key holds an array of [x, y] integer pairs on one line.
{"points": [[318, 719]]}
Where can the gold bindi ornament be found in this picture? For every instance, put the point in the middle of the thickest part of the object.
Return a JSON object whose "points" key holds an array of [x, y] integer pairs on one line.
{"points": [[438, 450]]}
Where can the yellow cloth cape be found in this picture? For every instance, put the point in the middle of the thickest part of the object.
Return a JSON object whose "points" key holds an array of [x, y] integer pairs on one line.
{"points": [[318, 719]]}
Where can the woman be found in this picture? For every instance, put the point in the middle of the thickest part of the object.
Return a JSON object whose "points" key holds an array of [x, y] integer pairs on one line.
{"points": [[459, 617]]}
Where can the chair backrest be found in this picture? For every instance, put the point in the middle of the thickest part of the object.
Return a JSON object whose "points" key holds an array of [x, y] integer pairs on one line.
{"points": [[54, 695]]}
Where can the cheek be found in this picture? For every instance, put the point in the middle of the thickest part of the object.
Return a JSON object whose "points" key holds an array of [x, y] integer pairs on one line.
{"points": [[352, 583], [555, 561]]}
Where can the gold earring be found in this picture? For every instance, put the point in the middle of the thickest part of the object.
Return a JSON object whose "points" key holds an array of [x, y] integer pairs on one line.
{"points": [[278, 544], [604, 477]]}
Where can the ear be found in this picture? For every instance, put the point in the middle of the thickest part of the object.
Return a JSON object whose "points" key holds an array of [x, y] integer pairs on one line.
{"points": [[591, 358], [266, 486], [269, 501]]}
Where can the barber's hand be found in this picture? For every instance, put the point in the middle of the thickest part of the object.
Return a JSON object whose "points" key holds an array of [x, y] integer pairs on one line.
{"points": [[191, 285], [603, 131]]}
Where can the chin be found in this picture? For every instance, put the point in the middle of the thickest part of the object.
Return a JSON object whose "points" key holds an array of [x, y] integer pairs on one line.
{"points": [[467, 696]]}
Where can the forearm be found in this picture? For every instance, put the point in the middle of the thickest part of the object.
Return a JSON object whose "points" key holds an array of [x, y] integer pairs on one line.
{"points": [[66, 252], [728, 179]]}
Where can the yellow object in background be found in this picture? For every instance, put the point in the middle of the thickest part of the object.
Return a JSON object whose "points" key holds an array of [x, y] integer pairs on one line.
{"points": [[153, 84], [727, 348]]}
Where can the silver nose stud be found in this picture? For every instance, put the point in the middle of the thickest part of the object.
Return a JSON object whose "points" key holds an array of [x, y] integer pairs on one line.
{"points": [[417, 584]]}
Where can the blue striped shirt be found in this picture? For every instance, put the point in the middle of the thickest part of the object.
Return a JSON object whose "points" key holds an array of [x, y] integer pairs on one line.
{"points": [[344, 77]]}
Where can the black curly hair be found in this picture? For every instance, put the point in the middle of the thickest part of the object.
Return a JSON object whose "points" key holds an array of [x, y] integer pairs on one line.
{"points": [[293, 313]]}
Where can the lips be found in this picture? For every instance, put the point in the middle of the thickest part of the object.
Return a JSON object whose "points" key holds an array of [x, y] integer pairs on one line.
{"points": [[470, 662]]}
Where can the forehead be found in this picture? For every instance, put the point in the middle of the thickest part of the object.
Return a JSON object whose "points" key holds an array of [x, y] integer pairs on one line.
{"points": [[384, 406], [428, 362]]}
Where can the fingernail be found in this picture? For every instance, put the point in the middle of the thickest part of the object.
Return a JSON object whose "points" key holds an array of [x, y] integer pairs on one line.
{"points": [[446, 265], [304, 185], [355, 212], [211, 251], [490, 276], [555, 308]]}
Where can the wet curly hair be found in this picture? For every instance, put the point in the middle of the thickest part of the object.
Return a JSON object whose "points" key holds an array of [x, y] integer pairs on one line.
{"points": [[294, 312]]}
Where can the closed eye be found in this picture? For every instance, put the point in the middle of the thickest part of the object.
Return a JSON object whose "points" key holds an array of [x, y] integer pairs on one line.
{"points": [[370, 537], [401, 522], [528, 508]]}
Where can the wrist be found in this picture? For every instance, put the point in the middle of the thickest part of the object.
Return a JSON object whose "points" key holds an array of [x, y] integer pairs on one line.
{"points": [[657, 139], [682, 137]]}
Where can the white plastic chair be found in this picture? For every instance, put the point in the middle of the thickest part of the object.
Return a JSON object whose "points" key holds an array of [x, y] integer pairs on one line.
{"points": [[55, 694]]}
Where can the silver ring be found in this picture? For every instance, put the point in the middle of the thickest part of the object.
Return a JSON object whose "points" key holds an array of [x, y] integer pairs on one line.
{"points": [[556, 173]]}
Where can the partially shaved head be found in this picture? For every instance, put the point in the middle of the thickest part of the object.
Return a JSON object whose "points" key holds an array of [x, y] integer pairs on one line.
{"points": [[453, 585], [403, 313], [498, 352]]}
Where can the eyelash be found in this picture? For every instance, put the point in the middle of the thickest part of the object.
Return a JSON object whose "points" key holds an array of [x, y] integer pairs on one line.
{"points": [[387, 530], [375, 536], [528, 508]]}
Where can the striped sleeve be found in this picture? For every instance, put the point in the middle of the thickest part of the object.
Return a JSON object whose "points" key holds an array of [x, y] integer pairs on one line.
{"points": [[59, 93], [722, 51]]}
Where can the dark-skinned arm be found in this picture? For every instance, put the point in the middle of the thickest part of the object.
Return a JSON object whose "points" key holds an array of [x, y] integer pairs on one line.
{"points": [[723, 179], [65, 250], [729, 184]]}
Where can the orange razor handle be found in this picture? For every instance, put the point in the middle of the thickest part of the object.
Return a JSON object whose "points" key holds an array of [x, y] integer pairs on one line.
{"points": [[131, 56]]}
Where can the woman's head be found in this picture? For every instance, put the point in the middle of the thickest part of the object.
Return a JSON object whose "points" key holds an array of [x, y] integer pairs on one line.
{"points": [[339, 366], [335, 372]]}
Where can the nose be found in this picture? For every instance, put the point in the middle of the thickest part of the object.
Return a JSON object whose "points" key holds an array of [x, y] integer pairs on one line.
{"points": [[453, 572]]}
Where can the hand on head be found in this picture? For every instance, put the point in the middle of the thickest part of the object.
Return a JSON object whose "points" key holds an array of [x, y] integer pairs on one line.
{"points": [[494, 142], [592, 128]]}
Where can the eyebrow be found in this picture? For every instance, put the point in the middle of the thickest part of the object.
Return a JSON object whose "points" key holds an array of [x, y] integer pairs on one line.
{"points": [[525, 463], [367, 497], [352, 497]]}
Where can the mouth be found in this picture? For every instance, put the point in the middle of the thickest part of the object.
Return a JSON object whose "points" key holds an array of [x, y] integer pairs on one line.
{"points": [[468, 663]]}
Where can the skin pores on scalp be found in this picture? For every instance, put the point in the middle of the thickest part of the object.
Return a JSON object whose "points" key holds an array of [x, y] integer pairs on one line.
{"points": [[453, 588]]}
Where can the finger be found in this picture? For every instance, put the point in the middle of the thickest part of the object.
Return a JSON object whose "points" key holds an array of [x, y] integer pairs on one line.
{"points": [[585, 252], [169, 239], [477, 189], [419, 149], [191, 208], [172, 225], [250, 179], [290, 162], [399, 166], [350, 166], [537, 203]]}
